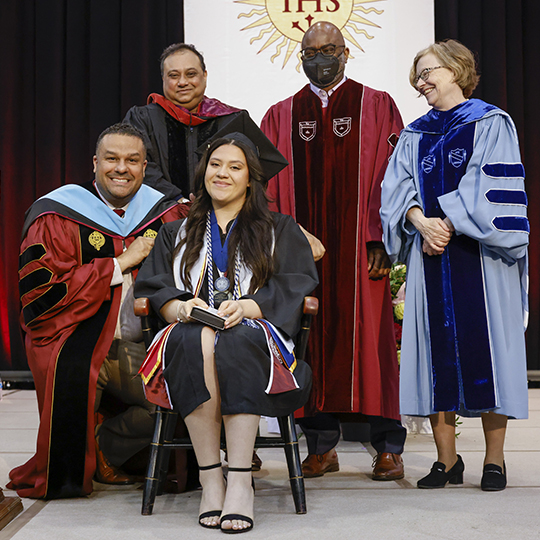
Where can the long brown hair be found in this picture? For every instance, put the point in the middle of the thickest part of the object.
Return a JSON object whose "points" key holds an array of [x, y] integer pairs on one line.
{"points": [[253, 232]]}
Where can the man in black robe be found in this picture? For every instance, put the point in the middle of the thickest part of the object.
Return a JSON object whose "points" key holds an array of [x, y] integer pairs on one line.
{"points": [[178, 122]]}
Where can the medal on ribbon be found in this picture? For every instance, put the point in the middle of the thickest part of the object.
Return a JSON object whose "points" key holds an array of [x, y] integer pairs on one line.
{"points": [[222, 284], [220, 292]]}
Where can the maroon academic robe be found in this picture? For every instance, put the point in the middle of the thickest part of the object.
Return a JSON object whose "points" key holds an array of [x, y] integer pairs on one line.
{"points": [[338, 156], [69, 315]]}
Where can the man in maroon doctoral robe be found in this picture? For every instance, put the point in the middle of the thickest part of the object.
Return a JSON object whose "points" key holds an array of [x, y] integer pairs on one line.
{"points": [[178, 122], [81, 248], [337, 135]]}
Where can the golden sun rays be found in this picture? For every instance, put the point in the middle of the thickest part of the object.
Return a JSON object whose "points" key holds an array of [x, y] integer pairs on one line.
{"points": [[284, 22]]}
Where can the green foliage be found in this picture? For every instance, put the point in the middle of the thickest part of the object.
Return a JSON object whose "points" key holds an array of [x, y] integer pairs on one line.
{"points": [[458, 423], [397, 278]]}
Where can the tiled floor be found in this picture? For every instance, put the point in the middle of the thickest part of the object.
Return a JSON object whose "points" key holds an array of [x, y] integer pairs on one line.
{"points": [[343, 505]]}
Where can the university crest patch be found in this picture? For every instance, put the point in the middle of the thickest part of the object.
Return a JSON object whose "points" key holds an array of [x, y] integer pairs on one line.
{"points": [[428, 163], [307, 130], [342, 126], [457, 156], [96, 240], [150, 233]]}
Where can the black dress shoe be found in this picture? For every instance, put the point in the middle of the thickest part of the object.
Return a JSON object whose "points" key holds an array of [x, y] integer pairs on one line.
{"points": [[494, 478], [438, 477]]}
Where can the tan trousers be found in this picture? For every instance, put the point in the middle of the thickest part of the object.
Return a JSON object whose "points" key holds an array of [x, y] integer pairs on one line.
{"points": [[125, 434]]}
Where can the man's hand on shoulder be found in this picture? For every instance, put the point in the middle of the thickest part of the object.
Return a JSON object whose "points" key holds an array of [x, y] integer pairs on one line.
{"points": [[135, 253], [379, 263], [316, 245]]}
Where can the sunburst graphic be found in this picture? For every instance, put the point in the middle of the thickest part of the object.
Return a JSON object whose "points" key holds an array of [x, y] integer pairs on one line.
{"points": [[284, 22]]}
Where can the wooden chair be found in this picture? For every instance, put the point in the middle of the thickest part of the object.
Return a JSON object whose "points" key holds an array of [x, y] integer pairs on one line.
{"points": [[163, 440]]}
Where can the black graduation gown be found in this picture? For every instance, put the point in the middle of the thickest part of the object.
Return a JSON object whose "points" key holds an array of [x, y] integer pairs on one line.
{"points": [[241, 353]]}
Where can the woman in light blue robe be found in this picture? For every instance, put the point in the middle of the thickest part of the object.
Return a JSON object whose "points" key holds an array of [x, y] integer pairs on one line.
{"points": [[454, 210]]}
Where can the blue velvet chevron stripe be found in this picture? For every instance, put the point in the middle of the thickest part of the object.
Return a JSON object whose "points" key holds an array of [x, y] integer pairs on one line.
{"points": [[511, 224], [507, 196], [459, 338], [504, 170]]}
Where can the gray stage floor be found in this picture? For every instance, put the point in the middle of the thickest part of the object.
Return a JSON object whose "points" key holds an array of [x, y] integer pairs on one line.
{"points": [[341, 506]]}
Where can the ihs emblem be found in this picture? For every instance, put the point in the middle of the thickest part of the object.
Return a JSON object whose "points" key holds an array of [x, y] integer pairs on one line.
{"points": [[284, 22]]}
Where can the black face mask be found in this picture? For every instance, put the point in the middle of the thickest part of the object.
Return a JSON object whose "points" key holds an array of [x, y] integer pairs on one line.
{"points": [[321, 70]]}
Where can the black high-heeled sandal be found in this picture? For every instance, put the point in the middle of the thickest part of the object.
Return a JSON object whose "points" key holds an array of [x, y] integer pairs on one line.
{"points": [[438, 477], [240, 517], [494, 477], [210, 513]]}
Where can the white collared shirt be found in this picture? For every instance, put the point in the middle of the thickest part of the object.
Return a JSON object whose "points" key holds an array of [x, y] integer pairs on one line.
{"points": [[117, 275], [323, 94]]}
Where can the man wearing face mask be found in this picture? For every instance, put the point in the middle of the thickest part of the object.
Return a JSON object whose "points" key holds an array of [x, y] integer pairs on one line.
{"points": [[342, 136]]}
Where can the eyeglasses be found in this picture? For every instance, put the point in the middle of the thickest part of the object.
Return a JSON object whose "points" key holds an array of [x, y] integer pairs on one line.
{"points": [[424, 74], [327, 50]]}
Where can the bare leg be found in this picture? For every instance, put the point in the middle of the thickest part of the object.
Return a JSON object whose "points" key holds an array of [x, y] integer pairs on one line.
{"points": [[204, 426], [240, 431], [494, 432], [444, 433]]}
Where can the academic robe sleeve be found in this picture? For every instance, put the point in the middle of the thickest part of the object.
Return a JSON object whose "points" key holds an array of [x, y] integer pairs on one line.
{"points": [[295, 276], [385, 127], [155, 279], [176, 212], [57, 291], [398, 195], [154, 175], [277, 125], [490, 204]]}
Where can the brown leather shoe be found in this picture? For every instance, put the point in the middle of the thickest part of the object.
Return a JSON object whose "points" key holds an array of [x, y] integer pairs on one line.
{"points": [[107, 473], [256, 462], [388, 466], [318, 464]]}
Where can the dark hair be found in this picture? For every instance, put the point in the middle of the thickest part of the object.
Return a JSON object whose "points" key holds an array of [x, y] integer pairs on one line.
{"points": [[174, 48], [122, 128], [253, 232], [457, 58]]}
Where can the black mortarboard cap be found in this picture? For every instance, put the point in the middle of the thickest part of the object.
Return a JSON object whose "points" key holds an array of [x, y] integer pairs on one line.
{"points": [[272, 161]]}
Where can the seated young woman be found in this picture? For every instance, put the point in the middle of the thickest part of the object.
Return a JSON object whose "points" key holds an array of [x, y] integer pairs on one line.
{"points": [[255, 267]]}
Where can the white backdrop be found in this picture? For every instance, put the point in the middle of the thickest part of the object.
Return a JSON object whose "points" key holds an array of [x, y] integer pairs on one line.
{"points": [[240, 74]]}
